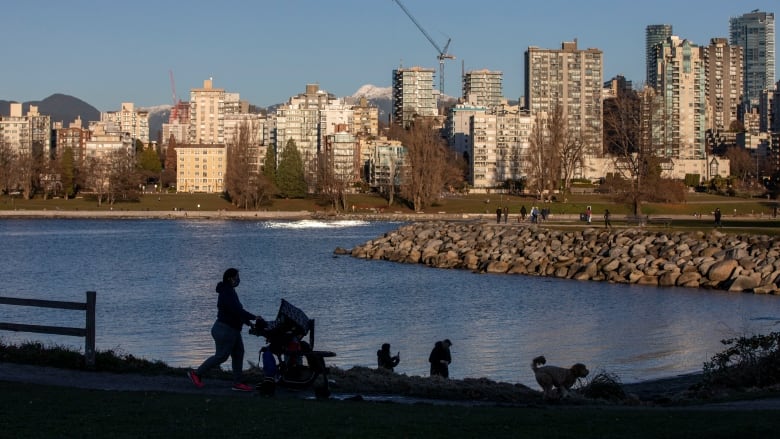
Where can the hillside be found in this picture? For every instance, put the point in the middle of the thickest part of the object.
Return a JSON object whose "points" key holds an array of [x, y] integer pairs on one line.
{"points": [[62, 108]]}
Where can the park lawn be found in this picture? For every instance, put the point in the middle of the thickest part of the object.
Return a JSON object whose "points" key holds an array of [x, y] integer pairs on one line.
{"points": [[36, 411], [702, 204]]}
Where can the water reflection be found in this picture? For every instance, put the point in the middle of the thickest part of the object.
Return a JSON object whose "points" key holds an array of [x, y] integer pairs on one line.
{"points": [[155, 281]]}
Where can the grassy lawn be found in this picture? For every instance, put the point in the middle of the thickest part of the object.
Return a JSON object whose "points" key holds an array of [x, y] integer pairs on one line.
{"points": [[33, 411], [475, 203]]}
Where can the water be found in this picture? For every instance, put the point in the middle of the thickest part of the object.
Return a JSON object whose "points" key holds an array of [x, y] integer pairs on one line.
{"points": [[155, 284]]}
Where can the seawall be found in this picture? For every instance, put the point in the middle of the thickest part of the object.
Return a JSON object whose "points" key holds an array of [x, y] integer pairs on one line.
{"points": [[715, 260]]}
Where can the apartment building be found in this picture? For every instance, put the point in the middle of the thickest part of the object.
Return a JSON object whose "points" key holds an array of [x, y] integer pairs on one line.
{"points": [[572, 79], [483, 88], [134, 122], [680, 114], [386, 164], [106, 142], [299, 120], [28, 134], [207, 115], [201, 168], [458, 128], [413, 95], [343, 157], [75, 137], [723, 65], [365, 119], [654, 34], [755, 33], [501, 140]]}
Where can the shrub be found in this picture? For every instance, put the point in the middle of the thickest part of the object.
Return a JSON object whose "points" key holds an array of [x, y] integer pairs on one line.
{"points": [[747, 362], [604, 386]]}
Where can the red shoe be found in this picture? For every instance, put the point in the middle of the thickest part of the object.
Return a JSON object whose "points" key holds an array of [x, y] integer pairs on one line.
{"points": [[195, 379], [241, 387]]}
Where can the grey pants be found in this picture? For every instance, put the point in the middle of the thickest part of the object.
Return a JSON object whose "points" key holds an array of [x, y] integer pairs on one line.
{"points": [[228, 344]]}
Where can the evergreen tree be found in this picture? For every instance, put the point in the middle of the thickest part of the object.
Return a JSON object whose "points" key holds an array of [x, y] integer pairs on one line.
{"points": [[289, 174], [269, 164]]}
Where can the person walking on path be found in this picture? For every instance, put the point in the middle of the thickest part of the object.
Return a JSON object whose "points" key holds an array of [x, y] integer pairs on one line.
{"points": [[226, 331], [607, 223], [385, 360], [506, 214], [498, 215], [717, 217], [441, 358], [588, 214], [523, 212]]}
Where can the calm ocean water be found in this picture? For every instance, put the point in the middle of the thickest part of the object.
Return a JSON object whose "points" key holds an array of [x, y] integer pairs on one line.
{"points": [[155, 284]]}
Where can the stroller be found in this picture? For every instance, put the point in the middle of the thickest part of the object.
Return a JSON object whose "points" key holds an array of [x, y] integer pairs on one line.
{"points": [[288, 360]]}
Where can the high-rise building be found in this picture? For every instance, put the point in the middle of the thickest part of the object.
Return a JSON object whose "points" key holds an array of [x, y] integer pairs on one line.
{"points": [[483, 88], [572, 79], [680, 114], [654, 34], [207, 114], [723, 67], [134, 122], [28, 134], [413, 95], [755, 33]]}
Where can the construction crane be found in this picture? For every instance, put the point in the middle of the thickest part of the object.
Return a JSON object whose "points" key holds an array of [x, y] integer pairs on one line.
{"points": [[176, 101], [442, 52]]}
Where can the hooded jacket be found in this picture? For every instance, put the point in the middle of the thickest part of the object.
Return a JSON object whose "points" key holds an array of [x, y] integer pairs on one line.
{"points": [[229, 308]]}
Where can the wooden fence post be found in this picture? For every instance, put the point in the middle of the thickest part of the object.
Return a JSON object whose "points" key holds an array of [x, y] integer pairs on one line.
{"points": [[89, 338]]}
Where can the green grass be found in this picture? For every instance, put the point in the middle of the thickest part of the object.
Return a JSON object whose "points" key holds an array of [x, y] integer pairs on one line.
{"points": [[42, 411], [475, 203], [33, 411]]}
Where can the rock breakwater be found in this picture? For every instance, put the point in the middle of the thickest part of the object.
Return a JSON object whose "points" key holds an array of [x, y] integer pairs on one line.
{"points": [[739, 263]]}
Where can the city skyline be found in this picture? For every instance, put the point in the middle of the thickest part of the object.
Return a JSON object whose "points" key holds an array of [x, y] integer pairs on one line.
{"points": [[269, 52]]}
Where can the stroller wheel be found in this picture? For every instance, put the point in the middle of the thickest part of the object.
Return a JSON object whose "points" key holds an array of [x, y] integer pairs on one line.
{"points": [[268, 387], [321, 392]]}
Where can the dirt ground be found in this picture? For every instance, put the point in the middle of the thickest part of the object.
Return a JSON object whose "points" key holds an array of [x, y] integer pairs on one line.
{"points": [[343, 387]]}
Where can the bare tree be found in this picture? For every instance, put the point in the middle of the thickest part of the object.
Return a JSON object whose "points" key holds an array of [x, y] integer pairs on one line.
{"points": [[97, 173], [426, 167], [245, 186], [629, 121], [544, 154], [124, 178], [7, 166], [28, 169]]}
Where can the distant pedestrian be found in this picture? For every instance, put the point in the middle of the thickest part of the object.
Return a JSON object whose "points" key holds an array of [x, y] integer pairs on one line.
{"points": [[717, 217], [523, 212], [607, 223], [588, 214], [506, 214], [499, 212], [386, 360], [441, 358]]}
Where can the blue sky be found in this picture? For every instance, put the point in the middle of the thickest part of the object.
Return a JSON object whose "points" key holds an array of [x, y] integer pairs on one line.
{"points": [[105, 54]]}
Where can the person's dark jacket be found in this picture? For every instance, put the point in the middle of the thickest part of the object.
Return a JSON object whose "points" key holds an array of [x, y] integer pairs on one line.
{"points": [[229, 308], [439, 353], [385, 360]]}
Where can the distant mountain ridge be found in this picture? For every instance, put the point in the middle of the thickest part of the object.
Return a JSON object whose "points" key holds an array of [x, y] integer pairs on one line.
{"points": [[65, 108], [61, 107]]}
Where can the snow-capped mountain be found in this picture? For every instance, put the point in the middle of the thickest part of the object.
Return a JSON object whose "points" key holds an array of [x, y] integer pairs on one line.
{"points": [[373, 92]]}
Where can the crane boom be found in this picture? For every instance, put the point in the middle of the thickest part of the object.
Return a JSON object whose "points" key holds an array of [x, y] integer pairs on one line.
{"points": [[442, 54], [411, 17]]}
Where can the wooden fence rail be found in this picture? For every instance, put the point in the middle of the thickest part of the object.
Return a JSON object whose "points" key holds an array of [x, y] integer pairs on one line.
{"points": [[88, 332]]}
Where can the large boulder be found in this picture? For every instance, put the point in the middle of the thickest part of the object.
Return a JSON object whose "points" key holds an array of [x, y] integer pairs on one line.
{"points": [[722, 270]]}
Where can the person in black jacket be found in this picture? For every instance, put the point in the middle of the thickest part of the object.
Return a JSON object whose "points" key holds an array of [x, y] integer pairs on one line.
{"points": [[231, 317], [385, 360], [440, 359]]}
